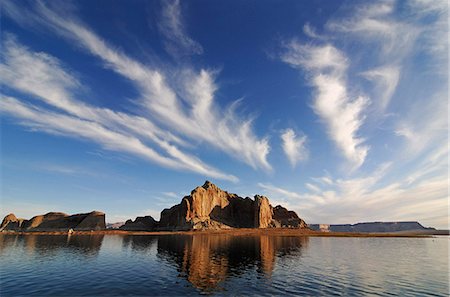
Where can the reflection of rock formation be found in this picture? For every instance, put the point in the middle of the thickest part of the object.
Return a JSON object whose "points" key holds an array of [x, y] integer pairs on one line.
{"points": [[138, 242], [55, 221], [207, 260], [87, 245]]}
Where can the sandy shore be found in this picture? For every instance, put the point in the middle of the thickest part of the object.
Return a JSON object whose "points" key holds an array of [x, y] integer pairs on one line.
{"points": [[239, 232]]}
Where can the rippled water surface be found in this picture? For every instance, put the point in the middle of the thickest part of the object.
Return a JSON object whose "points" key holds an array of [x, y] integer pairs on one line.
{"points": [[83, 265]]}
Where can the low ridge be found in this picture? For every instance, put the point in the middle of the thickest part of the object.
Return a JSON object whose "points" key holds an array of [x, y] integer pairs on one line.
{"points": [[55, 221]]}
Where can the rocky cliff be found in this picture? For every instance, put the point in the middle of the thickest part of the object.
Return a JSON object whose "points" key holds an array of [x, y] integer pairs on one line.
{"points": [[55, 221], [209, 207]]}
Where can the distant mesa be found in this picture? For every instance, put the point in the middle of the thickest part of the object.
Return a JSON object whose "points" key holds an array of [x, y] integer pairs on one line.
{"points": [[55, 221], [209, 207], [378, 227]]}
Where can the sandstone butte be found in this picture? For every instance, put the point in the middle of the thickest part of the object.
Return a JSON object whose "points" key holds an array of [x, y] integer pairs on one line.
{"points": [[207, 207]]}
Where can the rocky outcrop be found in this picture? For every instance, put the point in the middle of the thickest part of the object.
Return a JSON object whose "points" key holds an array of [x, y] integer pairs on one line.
{"points": [[288, 218], [11, 223], [209, 207], [56, 221], [146, 223], [371, 227], [263, 213]]}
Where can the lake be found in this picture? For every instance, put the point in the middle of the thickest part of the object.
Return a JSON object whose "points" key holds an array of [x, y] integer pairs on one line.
{"points": [[92, 265]]}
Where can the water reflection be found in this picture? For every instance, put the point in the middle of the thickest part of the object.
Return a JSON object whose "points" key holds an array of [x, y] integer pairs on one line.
{"points": [[207, 260], [85, 245], [138, 242]]}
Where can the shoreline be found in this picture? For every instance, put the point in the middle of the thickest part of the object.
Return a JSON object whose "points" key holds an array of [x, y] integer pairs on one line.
{"points": [[237, 232]]}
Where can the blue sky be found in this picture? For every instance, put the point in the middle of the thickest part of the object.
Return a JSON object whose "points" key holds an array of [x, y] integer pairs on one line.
{"points": [[335, 109]]}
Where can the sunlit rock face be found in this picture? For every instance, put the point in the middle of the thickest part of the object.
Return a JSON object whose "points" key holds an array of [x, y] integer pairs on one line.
{"points": [[209, 207], [55, 221], [11, 223]]}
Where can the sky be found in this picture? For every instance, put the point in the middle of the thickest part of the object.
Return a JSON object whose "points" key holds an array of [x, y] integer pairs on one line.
{"points": [[335, 109]]}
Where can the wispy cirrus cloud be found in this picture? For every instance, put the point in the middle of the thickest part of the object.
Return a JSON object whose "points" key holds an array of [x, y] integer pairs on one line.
{"points": [[69, 126], [183, 105], [44, 77], [386, 79], [178, 43], [341, 112], [294, 146]]}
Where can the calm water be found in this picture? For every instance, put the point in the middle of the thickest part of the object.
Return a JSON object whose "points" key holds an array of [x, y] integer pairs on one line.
{"points": [[222, 265]]}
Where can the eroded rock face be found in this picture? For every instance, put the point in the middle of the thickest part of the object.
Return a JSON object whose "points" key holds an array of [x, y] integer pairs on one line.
{"points": [[287, 218], [263, 212], [209, 207], [56, 221], [11, 223], [146, 223]]}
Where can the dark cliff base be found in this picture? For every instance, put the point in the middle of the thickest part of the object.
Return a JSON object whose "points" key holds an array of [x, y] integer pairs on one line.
{"points": [[244, 232]]}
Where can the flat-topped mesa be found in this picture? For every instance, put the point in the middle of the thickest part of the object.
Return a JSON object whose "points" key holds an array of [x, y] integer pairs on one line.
{"points": [[56, 221], [378, 227], [209, 207]]}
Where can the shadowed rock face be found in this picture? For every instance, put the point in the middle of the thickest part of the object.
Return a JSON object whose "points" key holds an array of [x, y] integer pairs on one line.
{"points": [[288, 218], [54, 221], [146, 223], [209, 207]]}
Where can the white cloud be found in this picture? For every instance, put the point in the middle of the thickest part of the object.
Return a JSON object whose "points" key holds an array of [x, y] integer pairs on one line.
{"points": [[60, 124], [386, 80], [188, 109], [294, 146], [376, 24], [341, 112], [312, 187], [310, 31], [424, 125], [368, 199], [43, 76], [171, 194], [172, 27]]}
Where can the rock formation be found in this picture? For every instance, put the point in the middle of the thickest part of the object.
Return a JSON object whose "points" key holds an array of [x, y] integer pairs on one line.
{"points": [[10, 222], [55, 221], [287, 218], [146, 223], [209, 207]]}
